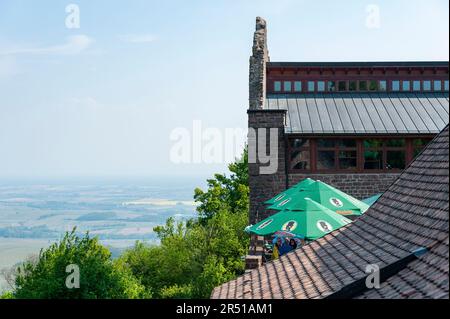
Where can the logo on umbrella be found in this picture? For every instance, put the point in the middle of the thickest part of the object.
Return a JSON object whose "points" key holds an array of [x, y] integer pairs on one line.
{"points": [[265, 224], [290, 225], [280, 197], [324, 226], [284, 202], [336, 202]]}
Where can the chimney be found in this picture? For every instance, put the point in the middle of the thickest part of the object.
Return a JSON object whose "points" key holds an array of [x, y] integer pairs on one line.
{"points": [[258, 60]]}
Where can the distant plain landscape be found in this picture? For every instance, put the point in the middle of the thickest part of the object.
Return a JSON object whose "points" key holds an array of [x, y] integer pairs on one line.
{"points": [[35, 214]]}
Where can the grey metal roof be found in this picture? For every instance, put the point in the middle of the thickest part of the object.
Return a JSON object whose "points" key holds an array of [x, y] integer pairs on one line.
{"points": [[363, 113]]}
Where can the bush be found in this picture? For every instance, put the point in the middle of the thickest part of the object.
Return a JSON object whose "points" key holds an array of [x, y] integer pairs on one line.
{"points": [[7, 295], [177, 292], [100, 277]]}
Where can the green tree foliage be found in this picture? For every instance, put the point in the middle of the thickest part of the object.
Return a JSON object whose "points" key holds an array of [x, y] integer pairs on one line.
{"points": [[194, 256], [100, 277], [197, 255], [225, 193], [7, 295]]}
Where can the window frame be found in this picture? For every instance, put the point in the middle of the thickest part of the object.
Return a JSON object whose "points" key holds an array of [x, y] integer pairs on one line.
{"points": [[313, 148]]}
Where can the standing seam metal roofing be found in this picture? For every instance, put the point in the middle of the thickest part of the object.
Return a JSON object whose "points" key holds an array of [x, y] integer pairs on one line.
{"points": [[363, 113]]}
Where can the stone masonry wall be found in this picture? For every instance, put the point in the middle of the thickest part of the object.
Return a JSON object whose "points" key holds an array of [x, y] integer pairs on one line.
{"points": [[359, 186], [262, 186]]}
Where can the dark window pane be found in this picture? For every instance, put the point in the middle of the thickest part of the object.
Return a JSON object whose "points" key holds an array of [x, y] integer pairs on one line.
{"points": [[331, 86], [363, 85], [325, 160], [421, 142], [325, 143], [446, 85], [395, 159], [417, 151], [373, 85], [342, 86], [373, 143], [346, 143], [347, 159], [299, 142], [352, 86], [373, 160], [395, 143], [300, 160]]}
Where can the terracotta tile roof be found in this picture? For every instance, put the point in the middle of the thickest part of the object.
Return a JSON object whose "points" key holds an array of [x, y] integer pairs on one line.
{"points": [[412, 214]]}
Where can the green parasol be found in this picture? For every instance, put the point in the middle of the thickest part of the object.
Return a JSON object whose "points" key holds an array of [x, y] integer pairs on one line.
{"points": [[293, 191], [312, 221], [371, 200], [326, 195]]}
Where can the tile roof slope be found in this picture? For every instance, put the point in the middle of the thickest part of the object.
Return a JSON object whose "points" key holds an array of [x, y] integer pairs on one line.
{"points": [[426, 277], [413, 213], [363, 113]]}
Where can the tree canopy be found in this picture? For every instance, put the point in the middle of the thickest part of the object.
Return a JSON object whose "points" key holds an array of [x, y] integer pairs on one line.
{"points": [[193, 256]]}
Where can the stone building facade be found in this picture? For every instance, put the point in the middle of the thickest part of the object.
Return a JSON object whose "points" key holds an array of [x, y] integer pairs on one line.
{"points": [[353, 125]]}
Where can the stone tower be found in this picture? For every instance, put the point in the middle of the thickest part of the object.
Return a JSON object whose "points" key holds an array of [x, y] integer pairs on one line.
{"points": [[258, 60]]}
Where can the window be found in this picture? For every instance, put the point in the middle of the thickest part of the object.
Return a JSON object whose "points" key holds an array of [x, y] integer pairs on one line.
{"points": [[373, 85], [331, 86], [300, 154], [395, 85], [373, 154], [395, 159], [406, 86], [311, 86], [352, 86], [297, 86], [347, 160], [446, 85], [418, 145], [353, 154], [326, 160], [326, 143], [342, 86], [373, 159], [363, 85], [336, 154], [320, 86], [393, 149], [287, 86], [299, 143], [383, 85], [277, 86], [416, 85], [396, 143], [437, 85], [427, 85], [395, 153]]}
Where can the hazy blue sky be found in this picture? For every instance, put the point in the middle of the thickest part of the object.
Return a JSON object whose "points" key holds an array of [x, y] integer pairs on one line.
{"points": [[102, 100]]}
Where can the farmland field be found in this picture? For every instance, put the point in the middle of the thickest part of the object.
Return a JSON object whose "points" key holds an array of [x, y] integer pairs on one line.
{"points": [[33, 215]]}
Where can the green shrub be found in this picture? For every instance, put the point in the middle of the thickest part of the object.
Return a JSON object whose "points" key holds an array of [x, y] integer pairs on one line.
{"points": [[100, 277]]}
